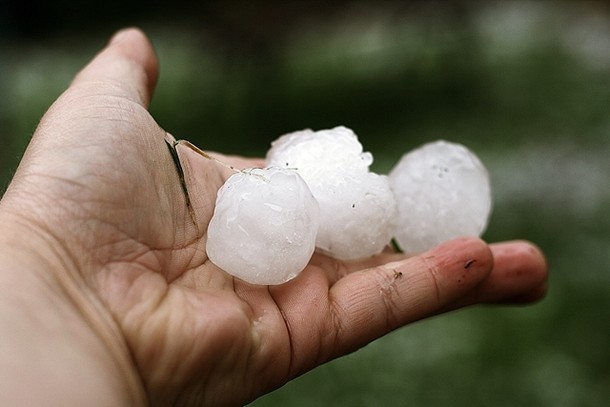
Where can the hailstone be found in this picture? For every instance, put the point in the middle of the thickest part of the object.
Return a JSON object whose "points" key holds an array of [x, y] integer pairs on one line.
{"points": [[319, 154], [443, 191], [357, 207], [264, 226], [357, 216]]}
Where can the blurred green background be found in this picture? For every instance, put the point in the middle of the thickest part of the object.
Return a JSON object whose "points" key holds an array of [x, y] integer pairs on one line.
{"points": [[526, 85]]}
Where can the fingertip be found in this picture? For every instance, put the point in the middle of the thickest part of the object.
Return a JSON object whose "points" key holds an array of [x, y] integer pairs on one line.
{"points": [[521, 258], [125, 33], [128, 59], [520, 274], [134, 44], [532, 296]]}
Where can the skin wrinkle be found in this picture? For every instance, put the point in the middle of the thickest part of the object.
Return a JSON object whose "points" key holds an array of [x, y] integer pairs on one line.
{"points": [[261, 318], [144, 328], [131, 251], [431, 267], [194, 277], [123, 321], [105, 87], [321, 327], [311, 303], [289, 333], [190, 255], [334, 269], [331, 330], [190, 251], [120, 278], [387, 283], [220, 363], [255, 322], [64, 257], [117, 238], [347, 320], [153, 303], [242, 364], [99, 106], [337, 314], [49, 178]]}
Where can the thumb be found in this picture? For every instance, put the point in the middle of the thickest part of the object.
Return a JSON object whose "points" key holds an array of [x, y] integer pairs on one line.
{"points": [[128, 62]]}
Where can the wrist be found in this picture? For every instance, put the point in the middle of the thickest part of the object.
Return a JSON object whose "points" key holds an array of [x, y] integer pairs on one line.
{"points": [[58, 343]]}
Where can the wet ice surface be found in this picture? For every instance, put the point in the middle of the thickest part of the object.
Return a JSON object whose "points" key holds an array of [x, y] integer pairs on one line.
{"points": [[443, 191], [357, 207], [264, 226]]}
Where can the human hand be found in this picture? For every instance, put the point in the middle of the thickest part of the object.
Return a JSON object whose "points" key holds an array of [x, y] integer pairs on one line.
{"points": [[98, 204]]}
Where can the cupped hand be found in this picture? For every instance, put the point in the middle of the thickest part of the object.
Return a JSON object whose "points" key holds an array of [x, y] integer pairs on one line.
{"points": [[100, 200]]}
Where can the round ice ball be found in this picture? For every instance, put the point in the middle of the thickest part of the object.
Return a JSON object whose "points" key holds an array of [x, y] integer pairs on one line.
{"points": [[443, 191], [357, 216], [316, 154], [264, 226]]}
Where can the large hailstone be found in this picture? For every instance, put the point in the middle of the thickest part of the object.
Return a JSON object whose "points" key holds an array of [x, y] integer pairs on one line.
{"points": [[357, 216], [357, 207], [264, 226], [319, 154], [443, 191]]}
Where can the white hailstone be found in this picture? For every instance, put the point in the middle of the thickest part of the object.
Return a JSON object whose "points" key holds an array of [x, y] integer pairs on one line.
{"points": [[357, 207], [319, 154], [264, 226], [443, 191], [357, 216]]}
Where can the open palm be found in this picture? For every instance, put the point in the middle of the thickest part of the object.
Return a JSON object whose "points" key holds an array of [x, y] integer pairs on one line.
{"points": [[110, 199]]}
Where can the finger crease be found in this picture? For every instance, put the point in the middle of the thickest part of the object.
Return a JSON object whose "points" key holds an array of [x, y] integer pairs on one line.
{"points": [[432, 270]]}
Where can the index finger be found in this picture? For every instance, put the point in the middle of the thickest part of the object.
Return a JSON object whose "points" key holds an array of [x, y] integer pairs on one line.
{"points": [[373, 302]]}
